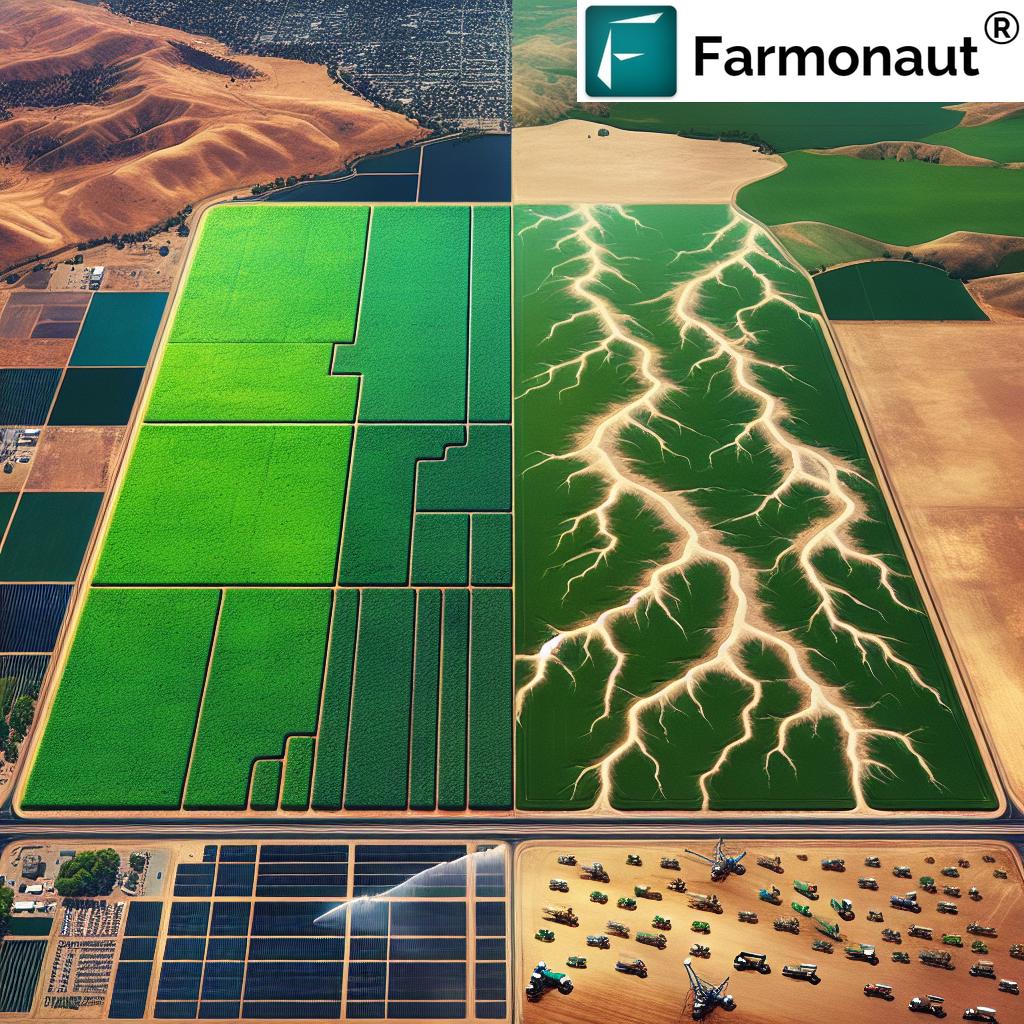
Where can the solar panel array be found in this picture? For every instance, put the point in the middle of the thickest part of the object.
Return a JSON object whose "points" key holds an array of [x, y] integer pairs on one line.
{"points": [[302, 932]]}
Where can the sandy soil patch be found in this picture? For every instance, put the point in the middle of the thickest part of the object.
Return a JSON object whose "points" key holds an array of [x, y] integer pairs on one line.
{"points": [[35, 352], [983, 113], [943, 403], [839, 998], [570, 162], [205, 132], [76, 459], [946, 155], [1001, 297]]}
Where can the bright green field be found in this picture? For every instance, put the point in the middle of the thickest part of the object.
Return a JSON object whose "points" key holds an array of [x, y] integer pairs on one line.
{"points": [[998, 140], [901, 203], [275, 273], [229, 504], [251, 383], [894, 290], [122, 722]]}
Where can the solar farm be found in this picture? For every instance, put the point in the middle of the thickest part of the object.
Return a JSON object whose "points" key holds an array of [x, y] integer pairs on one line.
{"points": [[301, 597]]}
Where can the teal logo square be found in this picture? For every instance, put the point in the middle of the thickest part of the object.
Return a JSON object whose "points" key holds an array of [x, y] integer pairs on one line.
{"points": [[630, 51]]}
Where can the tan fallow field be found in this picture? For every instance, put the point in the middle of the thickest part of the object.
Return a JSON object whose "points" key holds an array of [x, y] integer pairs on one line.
{"points": [[570, 162], [943, 403], [602, 995]]}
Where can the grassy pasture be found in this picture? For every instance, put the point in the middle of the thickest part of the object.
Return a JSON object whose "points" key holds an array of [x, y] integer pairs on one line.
{"points": [[251, 383], [899, 203], [122, 721], [274, 273], [1002, 140], [266, 501], [895, 290]]}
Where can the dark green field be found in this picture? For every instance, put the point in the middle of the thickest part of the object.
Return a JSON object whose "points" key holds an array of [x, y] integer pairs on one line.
{"points": [[894, 290], [714, 609]]}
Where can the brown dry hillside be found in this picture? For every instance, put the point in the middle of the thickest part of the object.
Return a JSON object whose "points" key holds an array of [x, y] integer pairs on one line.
{"points": [[170, 119]]}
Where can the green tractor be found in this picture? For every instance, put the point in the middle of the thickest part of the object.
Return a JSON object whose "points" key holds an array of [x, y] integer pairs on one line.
{"points": [[579, 963], [801, 908], [844, 908], [542, 978], [626, 903], [662, 923], [545, 935], [702, 927], [599, 897], [977, 946], [953, 940], [806, 889], [828, 929]]}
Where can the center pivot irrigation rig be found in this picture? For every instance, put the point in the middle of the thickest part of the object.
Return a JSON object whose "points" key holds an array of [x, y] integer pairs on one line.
{"points": [[739, 255], [707, 997]]}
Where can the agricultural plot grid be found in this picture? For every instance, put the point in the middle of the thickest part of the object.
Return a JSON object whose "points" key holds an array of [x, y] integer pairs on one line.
{"points": [[302, 597]]}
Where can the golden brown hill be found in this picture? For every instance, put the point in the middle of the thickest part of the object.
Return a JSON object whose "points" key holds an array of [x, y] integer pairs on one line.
{"points": [[183, 120]]}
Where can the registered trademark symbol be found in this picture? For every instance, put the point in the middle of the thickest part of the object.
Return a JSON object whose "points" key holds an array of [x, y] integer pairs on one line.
{"points": [[1002, 27]]}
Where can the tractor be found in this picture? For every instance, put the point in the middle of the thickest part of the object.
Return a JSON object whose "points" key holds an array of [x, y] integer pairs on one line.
{"points": [[949, 873], [701, 927], [822, 946], [833, 864], [974, 893], [982, 1013], [828, 929], [907, 902], [664, 923], [1000, 873], [578, 963], [748, 916], [891, 935], [650, 939], [802, 972], [932, 1005], [952, 891], [936, 958], [868, 883], [599, 941], [864, 954], [844, 908], [801, 908], [752, 962], [787, 924], [631, 966], [982, 969], [927, 884], [918, 931], [982, 929], [676, 885], [704, 952], [979, 947], [598, 897], [618, 928], [561, 915], [876, 916], [902, 871], [872, 862], [542, 978], [772, 895], [875, 991], [567, 859], [945, 907], [953, 940], [806, 889], [706, 997], [1017, 951], [670, 863], [771, 863], [594, 873], [633, 860], [645, 892], [544, 935], [558, 885], [708, 903], [722, 864], [1010, 987], [626, 903], [899, 957]]}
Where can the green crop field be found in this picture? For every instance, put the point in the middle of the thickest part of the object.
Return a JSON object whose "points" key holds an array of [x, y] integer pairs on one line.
{"points": [[894, 290], [897, 202], [714, 609], [1002, 140], [281, 616]]}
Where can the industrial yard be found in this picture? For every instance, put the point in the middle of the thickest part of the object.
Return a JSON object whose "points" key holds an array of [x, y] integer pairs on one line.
{"points": [[767, 999]]}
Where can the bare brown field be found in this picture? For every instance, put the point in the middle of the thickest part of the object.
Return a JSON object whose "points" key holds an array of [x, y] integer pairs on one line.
{"points": [[570, 162], [602, 995], [983, 113], [943, 403], [99, 173], [37, 352], [946, 155], [1001, 297], [76, 459]]}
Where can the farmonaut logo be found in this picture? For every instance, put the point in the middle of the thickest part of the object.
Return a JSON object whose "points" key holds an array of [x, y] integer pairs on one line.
{"points": [[630, 51]]}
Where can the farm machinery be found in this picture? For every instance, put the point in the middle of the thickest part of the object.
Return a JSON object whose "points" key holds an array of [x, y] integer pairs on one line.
{"points": [[676, 885], [859, 951], [893, 936], [801, 908], [1010, 987], [544, 935], [844, 908], [876, 991], [833, 864], [802, 972], [752, 962], [707, 997], [772, 895], [594, 873], [722, 864], [787, 924], [663, 923], [821, 946], [952, 891], [931, 1005], [670, 863], [868, 883], [633, 860], [578, 963], [945, 907], [979, 947], [936, 958], [982, 929], [906, 902], [618, 928], [699, 950], [567, 860], [1017, 951], [876, 916], [902, 871], [927, 884], [645, 892], [806, 889], [599, 941], [543, 978], [918, 931], [771, 863], [652, 939], [900, 957], [703, 901], [872, 862], [953, 940], [701, 927], [599, 897], [828, 929], [982, 969], [561, 915], [558, 885], [983, 1013], [626, 903], [631, 966], [748, 916]]}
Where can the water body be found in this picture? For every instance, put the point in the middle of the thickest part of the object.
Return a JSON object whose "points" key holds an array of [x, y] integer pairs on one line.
{"points": [[457, 170]]}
